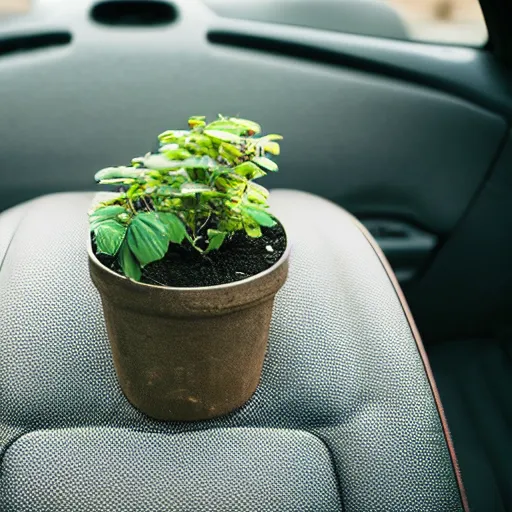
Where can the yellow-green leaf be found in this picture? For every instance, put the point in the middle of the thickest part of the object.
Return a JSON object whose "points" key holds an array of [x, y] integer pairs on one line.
{"points": [[252, 228], [256, 193], [265, 163], [192, 188], [221, 136], [249, 170], [110, 173], [272, 148], [196, 121], [215, 239]]}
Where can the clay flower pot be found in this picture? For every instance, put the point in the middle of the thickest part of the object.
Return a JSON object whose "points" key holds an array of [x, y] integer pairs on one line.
{"points": [[188, 353]]}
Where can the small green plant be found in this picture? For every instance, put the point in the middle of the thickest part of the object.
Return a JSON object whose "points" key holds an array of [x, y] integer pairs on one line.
{"points": [[198, 190]]}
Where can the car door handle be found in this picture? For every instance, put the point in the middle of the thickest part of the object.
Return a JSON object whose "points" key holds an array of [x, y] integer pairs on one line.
{"points": [[406, 247]]}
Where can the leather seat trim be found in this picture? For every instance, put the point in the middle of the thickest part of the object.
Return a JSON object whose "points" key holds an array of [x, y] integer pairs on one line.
{"points": [[423, 355], [22, 212]]}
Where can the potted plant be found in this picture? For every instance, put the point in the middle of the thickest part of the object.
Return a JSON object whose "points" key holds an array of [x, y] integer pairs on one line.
{"points": [[187, 260]]}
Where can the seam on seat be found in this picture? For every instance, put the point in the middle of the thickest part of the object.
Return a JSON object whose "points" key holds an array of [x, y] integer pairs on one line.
{"points": [[6, 447], [333, 464], [18, 224], [424, 358]]}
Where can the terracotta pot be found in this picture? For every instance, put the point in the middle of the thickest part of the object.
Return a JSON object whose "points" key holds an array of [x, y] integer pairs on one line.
{"points": [[188, 353]]}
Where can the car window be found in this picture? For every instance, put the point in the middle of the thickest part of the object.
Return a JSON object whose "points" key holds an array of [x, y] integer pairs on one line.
{"points": [[446, 21], [439, 21], [14, 6]]}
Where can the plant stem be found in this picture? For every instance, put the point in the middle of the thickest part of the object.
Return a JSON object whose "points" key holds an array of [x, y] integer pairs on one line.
{"points": [[205, 222], [146, 203]]}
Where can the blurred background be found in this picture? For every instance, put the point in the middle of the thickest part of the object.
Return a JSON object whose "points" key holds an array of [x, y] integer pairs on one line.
{"points": [[448, 21], [443, 21]]}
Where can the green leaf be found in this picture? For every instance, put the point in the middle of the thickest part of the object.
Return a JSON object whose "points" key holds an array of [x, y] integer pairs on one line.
{"points": [[270, 136], [215, 239], [203, 162], [249, 126], [251, 227], [213, 194], [234, 203], [261, 217], [109, 236], [231, 224], [230, 159], [272, 147], [129, 265], [147, 238], [170, 135], [118, 172], [249, 170], [117, 181], [168, 191], [201, 140], [181, 173], [104, 213], [175, 228], [235, 126], [175, 153], [196, 121], [267, 143], [257, 194], [168, 147], [266, 163], [230, 183], [161, 163], [130, 193], [194, 188], [230, 149], [227, 126], [137, 160], [221, 136]]}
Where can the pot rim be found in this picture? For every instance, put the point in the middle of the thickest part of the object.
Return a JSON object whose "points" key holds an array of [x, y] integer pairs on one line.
{"points": [[284, 257]]}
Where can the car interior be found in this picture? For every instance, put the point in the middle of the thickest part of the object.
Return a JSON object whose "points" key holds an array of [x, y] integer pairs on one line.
{"points": [[386, 385]]}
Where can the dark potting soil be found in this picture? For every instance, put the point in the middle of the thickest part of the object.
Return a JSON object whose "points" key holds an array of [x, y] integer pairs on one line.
{"points": [[238, 258]]}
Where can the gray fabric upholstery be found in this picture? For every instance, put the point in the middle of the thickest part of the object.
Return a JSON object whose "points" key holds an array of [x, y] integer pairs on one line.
{"points": [[342, 375], [194, 471]]}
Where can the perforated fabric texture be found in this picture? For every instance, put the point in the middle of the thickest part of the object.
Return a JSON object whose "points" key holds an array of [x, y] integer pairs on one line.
{"points": [[194, 471], [342, 366]]}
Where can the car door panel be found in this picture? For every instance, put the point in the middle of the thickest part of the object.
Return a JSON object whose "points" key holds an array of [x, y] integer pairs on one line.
{"points": [[376, 144]]}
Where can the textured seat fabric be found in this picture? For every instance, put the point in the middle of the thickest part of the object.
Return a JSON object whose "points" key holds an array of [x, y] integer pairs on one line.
{"points": [[344, 417], [152, 471]]}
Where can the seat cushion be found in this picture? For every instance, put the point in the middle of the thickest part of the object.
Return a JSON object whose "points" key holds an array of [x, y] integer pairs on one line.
{"points": [[343, 364], [124, 470]]}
